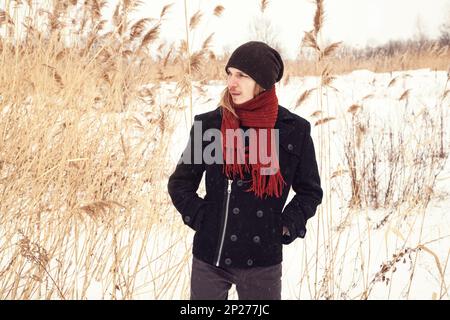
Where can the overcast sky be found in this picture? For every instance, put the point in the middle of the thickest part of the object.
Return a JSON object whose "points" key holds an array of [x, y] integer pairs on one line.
{"points": [[356, 22]]}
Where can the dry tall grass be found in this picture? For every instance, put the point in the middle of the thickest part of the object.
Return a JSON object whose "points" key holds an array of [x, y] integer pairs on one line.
{"points": [[305, 66], [78, 176]]}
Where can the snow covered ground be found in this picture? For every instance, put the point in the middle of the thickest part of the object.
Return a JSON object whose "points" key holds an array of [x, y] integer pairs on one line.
{"points": [[387, 253], [373, 251]]}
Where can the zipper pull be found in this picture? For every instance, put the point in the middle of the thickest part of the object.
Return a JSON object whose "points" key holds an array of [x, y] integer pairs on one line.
{"points": [[229, 186]]}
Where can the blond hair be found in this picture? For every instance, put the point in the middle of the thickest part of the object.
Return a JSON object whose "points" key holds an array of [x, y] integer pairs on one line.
{"points": [[225, 100]]}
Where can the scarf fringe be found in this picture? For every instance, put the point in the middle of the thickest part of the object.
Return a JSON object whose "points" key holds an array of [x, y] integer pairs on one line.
{"points": [[260, 185]]}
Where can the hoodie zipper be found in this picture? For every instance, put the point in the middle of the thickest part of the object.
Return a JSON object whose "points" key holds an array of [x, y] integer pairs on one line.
{"points": [[225, 222]]}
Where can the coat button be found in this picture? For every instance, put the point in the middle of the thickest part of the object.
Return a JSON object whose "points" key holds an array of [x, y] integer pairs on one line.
{"points": [[249, 262], [236, 210], [290, 147], [256, 239], [240, 183], [233, 237], [227, 261], [259, 213], [187, 219]]}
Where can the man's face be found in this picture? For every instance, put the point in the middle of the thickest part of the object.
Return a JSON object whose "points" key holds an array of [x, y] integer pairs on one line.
{"points": [[240, 85]]}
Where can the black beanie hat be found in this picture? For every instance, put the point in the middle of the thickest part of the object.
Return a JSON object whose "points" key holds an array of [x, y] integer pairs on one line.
{"points": [[259, 61]]}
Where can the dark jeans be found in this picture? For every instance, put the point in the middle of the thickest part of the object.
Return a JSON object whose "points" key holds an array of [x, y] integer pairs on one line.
{"points": [[209, 282]]}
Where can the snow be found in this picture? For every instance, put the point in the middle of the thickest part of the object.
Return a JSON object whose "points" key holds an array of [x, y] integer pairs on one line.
{"points": [[343, 264]]}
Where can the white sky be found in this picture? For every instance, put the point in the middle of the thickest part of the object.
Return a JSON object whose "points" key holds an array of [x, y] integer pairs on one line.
{"points": [[356, 22]]}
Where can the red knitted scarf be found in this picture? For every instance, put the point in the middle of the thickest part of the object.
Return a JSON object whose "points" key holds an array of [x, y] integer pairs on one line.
{"points": [[260, 113]]}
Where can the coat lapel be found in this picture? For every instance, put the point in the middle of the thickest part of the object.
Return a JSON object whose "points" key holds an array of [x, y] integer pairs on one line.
{"points": [[284, 123]]}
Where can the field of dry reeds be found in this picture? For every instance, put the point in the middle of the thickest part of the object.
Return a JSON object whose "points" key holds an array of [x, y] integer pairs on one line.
{"points": [[86, 116]]}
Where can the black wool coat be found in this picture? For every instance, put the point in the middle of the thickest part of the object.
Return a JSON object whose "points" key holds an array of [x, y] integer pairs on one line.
{"points": [[234, 228]]}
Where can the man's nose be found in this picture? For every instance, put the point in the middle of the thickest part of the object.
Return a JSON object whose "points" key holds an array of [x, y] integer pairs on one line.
{"points": [[232, 81]]}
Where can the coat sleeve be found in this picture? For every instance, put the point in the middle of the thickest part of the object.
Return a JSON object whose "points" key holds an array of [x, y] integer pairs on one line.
{"points": [[308, 192], [184, 182]]}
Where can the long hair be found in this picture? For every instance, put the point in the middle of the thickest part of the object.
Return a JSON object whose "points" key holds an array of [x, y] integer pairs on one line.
{"points": [[225, 100]]}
